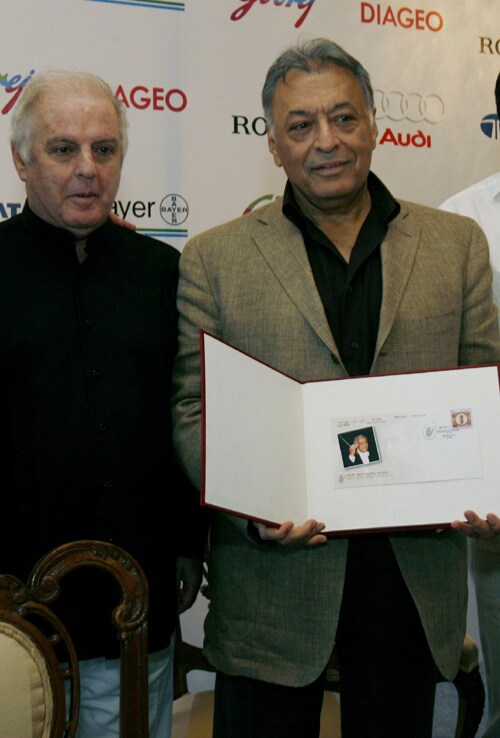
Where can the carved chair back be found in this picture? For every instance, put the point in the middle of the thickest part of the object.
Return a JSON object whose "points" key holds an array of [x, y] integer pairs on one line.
{"points": [[29, 629]]}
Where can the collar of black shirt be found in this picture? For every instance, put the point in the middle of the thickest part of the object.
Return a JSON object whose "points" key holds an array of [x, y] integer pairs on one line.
{"points": [[59, 242], [384, 209], [351, 293]]}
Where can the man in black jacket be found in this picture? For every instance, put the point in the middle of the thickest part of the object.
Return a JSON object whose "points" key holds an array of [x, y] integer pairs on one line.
{"points": [[88, 333]]}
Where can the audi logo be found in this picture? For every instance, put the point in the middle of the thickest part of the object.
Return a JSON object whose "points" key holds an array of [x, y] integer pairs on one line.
{"points": [[408, 106]]}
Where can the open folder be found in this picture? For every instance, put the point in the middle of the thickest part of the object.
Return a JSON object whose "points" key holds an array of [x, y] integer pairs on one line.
{"points": [[388, 452]]}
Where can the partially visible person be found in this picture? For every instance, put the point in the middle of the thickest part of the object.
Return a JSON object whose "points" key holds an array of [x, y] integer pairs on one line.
{"points": [[88, 334], [481, 201]]}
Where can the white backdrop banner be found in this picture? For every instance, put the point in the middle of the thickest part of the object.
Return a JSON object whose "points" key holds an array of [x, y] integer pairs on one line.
{"points": [[190, 74]]}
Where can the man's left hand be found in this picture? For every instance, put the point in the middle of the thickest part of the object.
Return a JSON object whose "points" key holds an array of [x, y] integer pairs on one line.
{"points": [[476, 527], [189, 577]]}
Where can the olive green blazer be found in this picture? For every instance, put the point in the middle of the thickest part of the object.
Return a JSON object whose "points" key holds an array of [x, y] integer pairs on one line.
{"points": [[274, 611]]}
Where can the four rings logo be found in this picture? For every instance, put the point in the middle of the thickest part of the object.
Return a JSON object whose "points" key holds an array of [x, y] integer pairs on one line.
{"points": [[408, 106]]}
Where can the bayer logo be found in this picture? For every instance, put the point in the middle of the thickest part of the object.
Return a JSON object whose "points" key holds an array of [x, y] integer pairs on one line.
{"points": [[174, 210]]}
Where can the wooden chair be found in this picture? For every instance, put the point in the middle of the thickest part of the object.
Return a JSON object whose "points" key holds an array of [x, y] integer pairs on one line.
{"points": [[34, 643]]}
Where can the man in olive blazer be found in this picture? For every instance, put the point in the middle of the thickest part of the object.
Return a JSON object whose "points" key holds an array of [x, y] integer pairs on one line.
{"points": [[250, 283], [274, 609]]}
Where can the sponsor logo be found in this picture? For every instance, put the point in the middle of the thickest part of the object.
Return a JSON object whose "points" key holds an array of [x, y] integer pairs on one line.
{"points": [[488, 45], [135, 209], [9, 209], [13, 85], [164, 232], [490, 126], [156, 98], [242, 124], [264, 200], [246, 5], [158, 4], [418, 140], [410, 106], [403, 17], [174, 210]]}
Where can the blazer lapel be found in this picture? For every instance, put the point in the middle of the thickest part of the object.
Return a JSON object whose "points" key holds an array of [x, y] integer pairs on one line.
{"points": [[282, 246], [398, 255]]}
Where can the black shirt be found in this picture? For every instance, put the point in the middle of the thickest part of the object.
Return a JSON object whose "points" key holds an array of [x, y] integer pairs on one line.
{"points": [[351, 293], [86, 352]]}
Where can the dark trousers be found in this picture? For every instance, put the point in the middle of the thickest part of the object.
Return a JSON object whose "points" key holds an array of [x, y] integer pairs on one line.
{"points": [[249, 708], [387, 674]]}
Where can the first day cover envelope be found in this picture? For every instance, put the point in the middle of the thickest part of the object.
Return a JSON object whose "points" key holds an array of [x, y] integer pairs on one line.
{"points": [[369, 453]]}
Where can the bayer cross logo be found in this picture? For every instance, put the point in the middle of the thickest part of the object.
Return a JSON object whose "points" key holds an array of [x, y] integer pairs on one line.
{"points": [[174, 210]]}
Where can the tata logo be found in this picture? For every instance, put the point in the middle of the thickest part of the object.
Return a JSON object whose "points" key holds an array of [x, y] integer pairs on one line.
{"points": [[9, 209], [13, 85], [488, 45], [264, 200], [156, 98], [411, 106], [301, 5], [490, 126], [404, 17]]}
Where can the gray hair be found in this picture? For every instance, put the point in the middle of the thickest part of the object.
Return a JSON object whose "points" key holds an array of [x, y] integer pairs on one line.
{"points": [[312, 56], [59, 82]]}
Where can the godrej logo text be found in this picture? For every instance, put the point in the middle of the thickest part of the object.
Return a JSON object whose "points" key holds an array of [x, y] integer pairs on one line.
{"points": [[301, 5], [12, 85]]}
